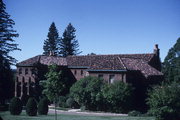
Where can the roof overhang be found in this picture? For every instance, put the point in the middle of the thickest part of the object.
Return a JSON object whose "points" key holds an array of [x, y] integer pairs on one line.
{"points": [[78, 67], [103, 70]]}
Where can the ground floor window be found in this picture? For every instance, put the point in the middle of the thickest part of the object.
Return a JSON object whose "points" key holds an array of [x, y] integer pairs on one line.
{"points": [[100, 76], [111, 79]]}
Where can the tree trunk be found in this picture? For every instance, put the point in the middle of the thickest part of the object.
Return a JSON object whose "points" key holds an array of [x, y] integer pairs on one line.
{"points": [[55, 109]]}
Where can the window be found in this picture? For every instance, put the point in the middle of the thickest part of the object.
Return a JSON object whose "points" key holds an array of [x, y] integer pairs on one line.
{"points": [[32, 71], [111, 79], [23, 80], [122, 77], [26, 71], [29, 80], [20, 71], [17, 80], [75, 72], [81, 72], [100, 76]]}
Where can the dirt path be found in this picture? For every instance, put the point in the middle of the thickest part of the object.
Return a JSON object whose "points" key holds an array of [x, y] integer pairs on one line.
{"points": [[73, 112]]}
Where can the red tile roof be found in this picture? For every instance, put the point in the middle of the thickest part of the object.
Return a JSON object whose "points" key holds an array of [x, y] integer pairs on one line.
{"points": [[100, 62]]}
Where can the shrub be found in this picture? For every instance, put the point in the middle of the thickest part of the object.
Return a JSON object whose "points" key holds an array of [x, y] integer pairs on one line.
{"points": [[72, 103], [15, 106], [164, 101], [134, 113], [43, 106], [85, 92], [62, 101], [83, 108], [31, 107], [118, 97], [24, 99]]}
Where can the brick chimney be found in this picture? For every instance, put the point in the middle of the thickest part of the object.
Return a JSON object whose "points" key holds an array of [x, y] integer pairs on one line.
{"points": [[51, 53], [156, 50]]}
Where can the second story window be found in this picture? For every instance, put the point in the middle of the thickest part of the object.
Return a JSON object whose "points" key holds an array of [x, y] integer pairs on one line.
{"points": [[81, 72], [75, 72], [26, 71], [20, 71]]}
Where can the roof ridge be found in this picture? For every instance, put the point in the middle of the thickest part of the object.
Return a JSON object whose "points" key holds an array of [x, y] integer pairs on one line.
{"points": [[122, 63]]}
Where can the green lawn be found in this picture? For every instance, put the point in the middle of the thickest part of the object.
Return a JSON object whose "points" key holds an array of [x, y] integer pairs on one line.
{"points": [[23, 116]]}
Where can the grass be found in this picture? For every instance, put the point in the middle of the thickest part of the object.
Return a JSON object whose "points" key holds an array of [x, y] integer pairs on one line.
{"points": [[23, 116]]}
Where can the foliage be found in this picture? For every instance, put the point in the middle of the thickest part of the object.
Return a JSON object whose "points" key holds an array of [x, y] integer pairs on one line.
{"points": [[86, 91], [68, 44], [62, 101], [164, 101], [31, 107], [118, 96], [6, 80], [24, 99], [7, 45], [53, 86], [134, 113], [72, 103], [7, 34], [50, 44], [171, 65], [43, 106], [15, 106]]}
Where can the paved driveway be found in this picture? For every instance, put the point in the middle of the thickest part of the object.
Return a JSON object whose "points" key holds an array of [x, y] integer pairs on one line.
{"points": [[75, 112]]}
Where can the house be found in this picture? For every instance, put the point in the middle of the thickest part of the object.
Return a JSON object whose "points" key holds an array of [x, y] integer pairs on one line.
{"points": [[140, 70]]}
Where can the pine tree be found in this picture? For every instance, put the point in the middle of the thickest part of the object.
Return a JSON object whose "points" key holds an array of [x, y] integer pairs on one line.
{"points": [[7, 45], [50, 44], [68, 43], [171, 65]]}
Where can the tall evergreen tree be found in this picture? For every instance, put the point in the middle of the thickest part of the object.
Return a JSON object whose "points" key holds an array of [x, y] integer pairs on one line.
{"points": [[7, 45], [69, 44], [171, 65], [50, 44], [7, 34]]}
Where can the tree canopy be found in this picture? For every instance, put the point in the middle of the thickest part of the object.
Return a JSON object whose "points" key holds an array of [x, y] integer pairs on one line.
{"points": [[171, 65], [7, 45], [69, 44], [51, 43], [7, 34]]}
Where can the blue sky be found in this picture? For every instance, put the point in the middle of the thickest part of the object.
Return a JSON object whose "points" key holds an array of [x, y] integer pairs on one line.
{"points": [[103, 26]]}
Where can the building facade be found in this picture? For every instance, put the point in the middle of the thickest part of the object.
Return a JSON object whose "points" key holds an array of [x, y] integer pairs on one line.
{"points": [[137, 69]]}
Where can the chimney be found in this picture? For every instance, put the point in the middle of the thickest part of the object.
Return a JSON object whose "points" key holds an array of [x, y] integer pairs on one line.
{"points": [[51, 53], [156, 50]]}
